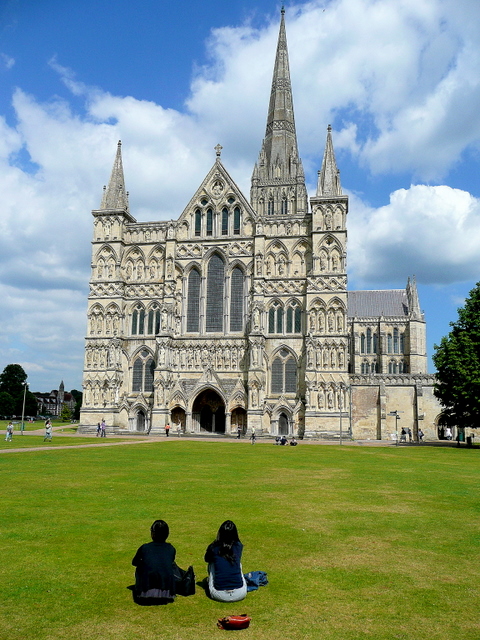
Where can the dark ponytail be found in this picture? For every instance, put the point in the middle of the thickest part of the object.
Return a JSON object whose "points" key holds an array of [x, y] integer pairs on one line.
{"points": [[227, 536]]}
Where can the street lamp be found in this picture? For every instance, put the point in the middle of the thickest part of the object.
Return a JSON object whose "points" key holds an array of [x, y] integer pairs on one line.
{"points": [[23, 407]]}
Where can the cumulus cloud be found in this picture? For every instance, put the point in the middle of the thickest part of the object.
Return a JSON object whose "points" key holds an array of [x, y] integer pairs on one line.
{"points": [[6, 61], [399, 80], [433, 232]]}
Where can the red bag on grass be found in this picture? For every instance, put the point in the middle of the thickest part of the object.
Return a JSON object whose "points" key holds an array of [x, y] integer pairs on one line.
{"points": [[234, 622]]}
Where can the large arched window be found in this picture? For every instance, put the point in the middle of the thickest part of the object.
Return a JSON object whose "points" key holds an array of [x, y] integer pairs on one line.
{"points": [[143, 371], [236, 300], [215, 294], [275, 318], [193, 301], [284, 373]]}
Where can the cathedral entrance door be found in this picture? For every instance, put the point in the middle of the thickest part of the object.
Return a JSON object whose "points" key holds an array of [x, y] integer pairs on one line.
{"points": [[140, 421], [210, 408], [239, 420], [283, 425], [178, 418]]}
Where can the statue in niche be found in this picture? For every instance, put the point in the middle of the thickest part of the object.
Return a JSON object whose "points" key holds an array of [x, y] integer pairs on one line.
{"points": [[321, 321], [332, 359], [341, 359], [110, 269], [152, 271], [254, 396], [330, 320], [170, 231], [140, 271], [339, 321], [108, 323], [311, 320], [325, 358], [106, 228], [307, 396], [319, 357], [328, 221], [164, 319], [323, 262], [170, 268], [330, 399], [259, 264], [95, 396], [160, 399], [129, 271], [116, 324], [161, 355], [256, 319], [281, 265], [334, 262], [321, 398], [147, 235], [253, 349], [177, 325], [234, 358], [310, 355], [269, 266]]}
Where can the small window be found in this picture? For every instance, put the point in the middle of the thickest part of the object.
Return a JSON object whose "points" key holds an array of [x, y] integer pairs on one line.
{"points": [[198, 222], [279, 320], [271, 320], [389, 344], [209, 222], [236, 221], [134, 323], [284, 207], [270, 207], [369, 341], [362, 343], [395, 341], [224, 222], [141, 322]]}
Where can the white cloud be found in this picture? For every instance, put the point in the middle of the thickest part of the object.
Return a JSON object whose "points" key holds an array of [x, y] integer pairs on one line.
{"points": [[7, 61], [433, 232]]}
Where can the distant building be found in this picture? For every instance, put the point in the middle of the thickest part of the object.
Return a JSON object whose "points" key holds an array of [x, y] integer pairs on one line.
{"points": [[52, 403], [237, 314]]}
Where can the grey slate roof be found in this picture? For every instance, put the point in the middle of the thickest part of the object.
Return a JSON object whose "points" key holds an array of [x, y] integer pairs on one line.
{"points": [[372, 304]]}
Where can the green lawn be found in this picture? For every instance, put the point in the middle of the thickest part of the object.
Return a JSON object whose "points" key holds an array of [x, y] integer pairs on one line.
{"points": [[358, 542]]}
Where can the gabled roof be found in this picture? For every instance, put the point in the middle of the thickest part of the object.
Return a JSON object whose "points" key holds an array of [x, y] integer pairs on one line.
{"points": [[373, 304], [217, 185]]}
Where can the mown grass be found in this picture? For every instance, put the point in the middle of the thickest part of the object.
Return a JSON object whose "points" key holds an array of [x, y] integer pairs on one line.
{"points": [[358, 542], [33, 441]]}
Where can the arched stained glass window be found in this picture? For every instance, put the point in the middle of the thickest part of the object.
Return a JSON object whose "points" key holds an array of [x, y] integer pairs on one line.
{"points": [[236, 300], [369, 341], [225, 222], [198, 222], [193, 301], [395, 341], [402, 343], [271, 320], [148, 379], [362, 343], [236, 221], [215, 294], [134, 323], [209, 222], [298, 320], [290, 376], [284, 207], [279, 320], [375, 343], [137, 375], [141, 322], [153, 325], [289, 328], [270, 207], [389, 344], [277, 376]]}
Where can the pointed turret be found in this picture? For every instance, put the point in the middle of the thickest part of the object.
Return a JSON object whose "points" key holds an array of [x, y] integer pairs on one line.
{"points": [[278, 181], [115, 195], [413, 300], [329, 176]]}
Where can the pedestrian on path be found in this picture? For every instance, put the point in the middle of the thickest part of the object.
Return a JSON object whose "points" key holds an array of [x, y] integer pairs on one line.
{"points": [[167, 429], [103, 429], [48, 431], [99, 429], [9, 432], [253, 437]]}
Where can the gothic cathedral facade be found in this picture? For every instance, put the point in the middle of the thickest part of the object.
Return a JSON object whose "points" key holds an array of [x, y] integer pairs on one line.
{"points": [[237, 314]]}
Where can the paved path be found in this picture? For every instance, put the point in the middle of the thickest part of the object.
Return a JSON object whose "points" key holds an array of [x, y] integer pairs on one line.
{"points": [[134, 439]]}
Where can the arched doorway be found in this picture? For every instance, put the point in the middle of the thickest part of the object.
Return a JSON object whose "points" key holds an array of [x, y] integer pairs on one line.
{"points": [[178, 418], [208, 412], [239, 420], [140, 420], [282, 425]]}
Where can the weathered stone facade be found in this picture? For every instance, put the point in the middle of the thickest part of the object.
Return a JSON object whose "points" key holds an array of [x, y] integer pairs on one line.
{"points": [[237, 315]]}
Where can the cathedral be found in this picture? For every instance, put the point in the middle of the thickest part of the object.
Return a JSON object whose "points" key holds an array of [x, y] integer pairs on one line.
{"points": [[237, 316]]}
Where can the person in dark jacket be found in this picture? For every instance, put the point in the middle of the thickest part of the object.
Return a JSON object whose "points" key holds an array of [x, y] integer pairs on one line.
{"points": [[154, 562], [224, 556]]}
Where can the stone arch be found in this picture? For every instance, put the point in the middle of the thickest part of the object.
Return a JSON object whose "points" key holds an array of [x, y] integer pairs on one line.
{"points": [[208, 410]]}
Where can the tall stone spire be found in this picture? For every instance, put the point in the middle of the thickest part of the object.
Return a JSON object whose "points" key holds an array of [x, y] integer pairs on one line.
{"points": [[115, 196], [278, 180], [329, 176], [413, 300]]}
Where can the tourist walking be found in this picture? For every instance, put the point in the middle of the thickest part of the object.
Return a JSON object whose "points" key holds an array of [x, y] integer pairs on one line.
{"points": [[99, 429], [253, 436], [167, 429], [9, 432], [103, 429], [239, 432], [48, 431], [410, 436], [448, 433], [226, 582], [421, 435]]}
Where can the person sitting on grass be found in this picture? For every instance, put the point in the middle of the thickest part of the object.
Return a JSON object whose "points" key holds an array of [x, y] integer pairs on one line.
{"points": [[226, 582], [154, 562]]}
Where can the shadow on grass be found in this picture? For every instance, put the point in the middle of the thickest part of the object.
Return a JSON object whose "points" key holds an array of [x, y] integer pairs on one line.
{"points": [[148, 602]]}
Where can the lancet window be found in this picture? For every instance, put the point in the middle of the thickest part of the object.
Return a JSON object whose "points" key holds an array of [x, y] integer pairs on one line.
{"points": [[275, 318], [153, 324], [215, 294], [284, 373], [138, 321], [236, 299], [143, 372], [193, 301], [294, 318]]}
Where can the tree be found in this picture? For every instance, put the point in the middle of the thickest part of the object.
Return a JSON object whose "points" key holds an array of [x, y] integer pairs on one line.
{"points": [[12, 380], [7, 404], [65, 414], [78, 395], [457, 360]]}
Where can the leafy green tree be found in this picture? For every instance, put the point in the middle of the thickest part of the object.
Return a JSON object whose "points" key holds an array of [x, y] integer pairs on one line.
{"points": [[457, 360], [78, 395], [65, 414], [12, 380], [7, 404], [31, 405]]}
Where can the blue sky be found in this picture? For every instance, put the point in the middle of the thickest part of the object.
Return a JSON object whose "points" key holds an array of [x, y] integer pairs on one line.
{"points": [[399, 80]]}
